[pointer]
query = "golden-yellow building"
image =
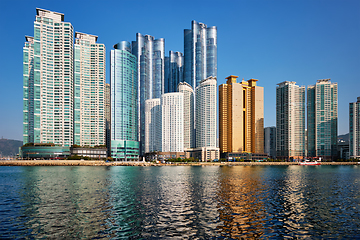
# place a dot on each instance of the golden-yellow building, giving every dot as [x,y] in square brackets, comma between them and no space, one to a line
[241,116]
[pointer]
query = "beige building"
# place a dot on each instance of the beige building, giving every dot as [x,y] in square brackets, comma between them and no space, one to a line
[241,116]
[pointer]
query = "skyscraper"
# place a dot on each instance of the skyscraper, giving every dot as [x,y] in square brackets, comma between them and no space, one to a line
[48,81]
[322,119]
[107,116]
[270,141]
[89,81]
[153,132]
[354,129]
[188,92]
[124,103]
[172,124]
[200,53]
[174,73]
[290,121]
[241,116]
[150,66]
[206,113]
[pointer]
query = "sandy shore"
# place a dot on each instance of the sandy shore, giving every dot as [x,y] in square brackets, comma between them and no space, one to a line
[102,163]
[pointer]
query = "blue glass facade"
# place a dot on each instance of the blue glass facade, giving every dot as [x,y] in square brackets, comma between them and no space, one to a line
[150,66]
[173,71]
[200,53]
[124,103]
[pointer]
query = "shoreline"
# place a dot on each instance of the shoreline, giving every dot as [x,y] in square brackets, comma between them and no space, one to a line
[145,164]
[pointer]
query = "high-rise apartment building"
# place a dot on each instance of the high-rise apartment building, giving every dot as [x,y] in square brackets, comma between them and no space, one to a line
[241,116]
[89,95]
[270,141]
[322,119]
[174,71]
[150,66]
[172,124]
[200,53]
[188,92]
[48,81]
[124,103]
[107,116]
[354,129]
[206,123]
[290,121]
[153,132]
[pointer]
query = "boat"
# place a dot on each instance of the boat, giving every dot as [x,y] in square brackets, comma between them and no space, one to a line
[309,163]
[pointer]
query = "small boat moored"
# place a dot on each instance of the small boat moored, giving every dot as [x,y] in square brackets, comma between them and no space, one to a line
[308,162]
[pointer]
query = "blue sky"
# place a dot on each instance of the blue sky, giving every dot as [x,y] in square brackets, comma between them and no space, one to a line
[270,40]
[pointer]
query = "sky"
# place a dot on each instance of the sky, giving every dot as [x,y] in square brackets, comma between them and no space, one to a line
[269,40]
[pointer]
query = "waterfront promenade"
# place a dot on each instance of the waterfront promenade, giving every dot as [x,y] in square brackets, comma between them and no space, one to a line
[103,163]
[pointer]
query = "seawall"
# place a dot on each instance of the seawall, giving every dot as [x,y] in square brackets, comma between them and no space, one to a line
[102,163]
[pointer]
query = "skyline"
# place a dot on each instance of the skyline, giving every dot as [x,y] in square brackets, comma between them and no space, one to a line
[271,47]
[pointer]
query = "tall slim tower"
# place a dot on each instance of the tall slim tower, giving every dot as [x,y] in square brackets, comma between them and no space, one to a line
[322,119]
[187,90]
[241,116]
[354,129]
[200,53]
[270,141]
[206,113]
[150,66]
[153,122]
[124,103]
[48,81]
[290,121]
[172,124]
[174,73]
[89,96]
[107,116]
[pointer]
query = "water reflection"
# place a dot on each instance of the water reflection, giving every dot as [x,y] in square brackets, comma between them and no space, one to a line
[180,202]
[240,203]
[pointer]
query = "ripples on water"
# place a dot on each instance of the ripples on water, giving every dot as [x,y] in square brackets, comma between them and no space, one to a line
[180,202]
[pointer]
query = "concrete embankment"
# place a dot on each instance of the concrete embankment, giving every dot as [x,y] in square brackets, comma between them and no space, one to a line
[102,163]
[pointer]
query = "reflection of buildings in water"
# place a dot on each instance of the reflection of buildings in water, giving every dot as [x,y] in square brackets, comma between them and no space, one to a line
[179,200]
[241,203]
[293,197]
[65,202]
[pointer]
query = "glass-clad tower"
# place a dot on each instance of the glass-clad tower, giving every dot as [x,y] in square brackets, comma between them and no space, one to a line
[200,53]
[89,83]
[290,121]
[354,129]
[150,67]
[48,81]
[124,103]
[173,71]
[322,119]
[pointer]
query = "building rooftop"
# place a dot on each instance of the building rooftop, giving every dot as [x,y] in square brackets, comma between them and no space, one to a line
[44,12]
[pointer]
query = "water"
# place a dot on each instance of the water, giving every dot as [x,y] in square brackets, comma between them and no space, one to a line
[180,202]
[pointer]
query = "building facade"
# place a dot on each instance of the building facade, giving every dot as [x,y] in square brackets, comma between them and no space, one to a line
[187,90]
[107,116]
[270,142]
[322,119]
[150,54]
[206,120]
[153,125]
[124,103]
[89,91]
[174,71]
[200,53]
[290,121]
[48,81]
[354,129]
[172,124]
[241,116]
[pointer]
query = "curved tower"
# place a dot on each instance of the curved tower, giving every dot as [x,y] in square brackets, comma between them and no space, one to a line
[124,103]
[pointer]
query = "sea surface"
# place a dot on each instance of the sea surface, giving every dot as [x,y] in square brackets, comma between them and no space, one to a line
[180,202]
